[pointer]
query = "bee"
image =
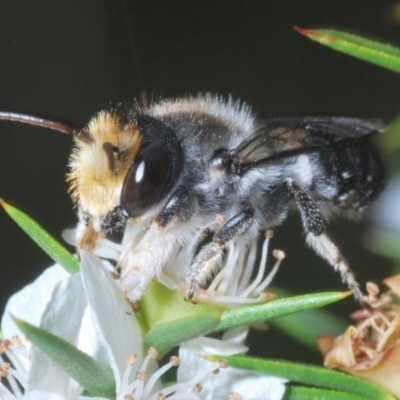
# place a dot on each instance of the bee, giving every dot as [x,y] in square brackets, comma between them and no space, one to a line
[175,167]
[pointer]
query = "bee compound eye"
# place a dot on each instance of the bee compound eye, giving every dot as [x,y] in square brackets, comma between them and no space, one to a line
[146,180]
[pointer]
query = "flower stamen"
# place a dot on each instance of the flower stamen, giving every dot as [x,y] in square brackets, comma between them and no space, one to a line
[131,360]
[186,387]
[173,362]
[14,371]
[279,255]
[261,269]
[370,349]
[142,388]
[198,387]
[235,396]
[141,375]
[5,370]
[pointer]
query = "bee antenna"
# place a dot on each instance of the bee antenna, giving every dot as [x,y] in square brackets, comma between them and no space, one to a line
[80,134]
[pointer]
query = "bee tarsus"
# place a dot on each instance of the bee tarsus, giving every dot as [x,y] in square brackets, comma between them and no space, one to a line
[208,262]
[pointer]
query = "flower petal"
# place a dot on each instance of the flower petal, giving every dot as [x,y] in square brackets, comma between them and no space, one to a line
[190,351]
[62,317]
[40,395]
[393,282]
[30,302]
[5,394]
[342,354]
[236,335]
[118,330]
[384,373]
[249,385]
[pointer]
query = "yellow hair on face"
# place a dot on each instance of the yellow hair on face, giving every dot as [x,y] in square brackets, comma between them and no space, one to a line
[99,166]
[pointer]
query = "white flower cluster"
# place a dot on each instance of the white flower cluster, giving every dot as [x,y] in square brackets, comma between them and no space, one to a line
[88,311]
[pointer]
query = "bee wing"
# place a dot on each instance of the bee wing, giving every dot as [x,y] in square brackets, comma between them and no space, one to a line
[283,137]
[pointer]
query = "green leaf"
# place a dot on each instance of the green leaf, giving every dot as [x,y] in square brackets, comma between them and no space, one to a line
[160,305]
[308,393]
[170,334]
[277,308]
[50,245]
[305,327]
[375,52]
[306,374]
[93,376]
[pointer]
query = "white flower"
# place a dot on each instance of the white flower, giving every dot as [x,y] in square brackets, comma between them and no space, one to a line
[231,380]
[88,310]
[85,309]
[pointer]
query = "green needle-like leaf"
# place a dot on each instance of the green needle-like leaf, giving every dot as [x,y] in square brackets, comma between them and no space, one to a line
[94,377]
[170,334]
[309,375]
[277,308]
[381,54]
[50,245]
[308,393]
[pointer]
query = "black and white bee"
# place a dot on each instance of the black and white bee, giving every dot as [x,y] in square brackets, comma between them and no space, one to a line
[176,167]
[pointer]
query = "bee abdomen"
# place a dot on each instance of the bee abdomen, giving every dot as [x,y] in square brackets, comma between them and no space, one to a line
[357,171]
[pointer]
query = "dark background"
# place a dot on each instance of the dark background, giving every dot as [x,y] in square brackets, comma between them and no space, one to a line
[67,60]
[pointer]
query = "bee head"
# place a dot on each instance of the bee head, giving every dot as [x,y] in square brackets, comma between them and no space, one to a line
[130,163]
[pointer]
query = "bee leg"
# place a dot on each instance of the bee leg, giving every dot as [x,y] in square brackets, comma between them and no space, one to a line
[319,241]
[143,260]
[208,262]
[180,205]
